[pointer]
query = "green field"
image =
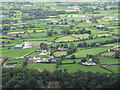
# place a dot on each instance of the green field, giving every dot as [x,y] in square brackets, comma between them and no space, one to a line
[93,51]
[59,53]
[34,54]
[114,68]
[16,61]
[16,52]
[110,54]
[81,36]
[66,39]
[109,61]
[75,67]
[41,67]
[71,60]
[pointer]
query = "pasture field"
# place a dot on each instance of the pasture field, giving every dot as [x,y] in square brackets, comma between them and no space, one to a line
[92,51]
[41,67]
[34,54]
[71,60]
[99,40]
[114,68]
[81,36]
[109,61]
[110,54]
[110,45]
[66,39]
[16,52]
[59,53]
[38,42]
[20,61]
[75,67]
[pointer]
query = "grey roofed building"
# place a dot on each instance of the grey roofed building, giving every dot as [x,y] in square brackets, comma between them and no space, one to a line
[18,46]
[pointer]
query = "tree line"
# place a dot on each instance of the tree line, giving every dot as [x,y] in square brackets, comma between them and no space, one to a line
[31,78]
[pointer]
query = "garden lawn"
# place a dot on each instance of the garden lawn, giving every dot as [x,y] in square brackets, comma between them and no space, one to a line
[41,67]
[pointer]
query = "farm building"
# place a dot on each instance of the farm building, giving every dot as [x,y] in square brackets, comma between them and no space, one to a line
[18,46]
[88,21]
[62,49]
[27,45]
[100,26]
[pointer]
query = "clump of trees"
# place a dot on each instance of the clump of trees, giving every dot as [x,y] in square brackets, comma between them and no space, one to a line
[31,78]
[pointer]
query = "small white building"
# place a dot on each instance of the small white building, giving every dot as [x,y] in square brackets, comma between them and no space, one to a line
[100,26]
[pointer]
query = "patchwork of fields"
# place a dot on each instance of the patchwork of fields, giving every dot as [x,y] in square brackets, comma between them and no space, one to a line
[66,33]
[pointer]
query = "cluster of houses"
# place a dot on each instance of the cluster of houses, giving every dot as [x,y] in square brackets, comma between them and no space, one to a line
[61,21]
[116,48]
[38,59]
[89,62]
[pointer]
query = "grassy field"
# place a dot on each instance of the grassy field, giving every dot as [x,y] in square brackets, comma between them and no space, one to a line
[114,68]
[34,54]
[16,52]
[41,67]
[81,36]
[65,39]
[98,40]
[108,61]
[93,51]
[110,45]
[108,54]
[71,60]
[16,61]
[59,53]
[75,67]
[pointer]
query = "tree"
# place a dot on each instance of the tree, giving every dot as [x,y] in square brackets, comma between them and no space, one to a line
[83,60]
[34,31]
[43,46]
[117,54]
[73,57]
